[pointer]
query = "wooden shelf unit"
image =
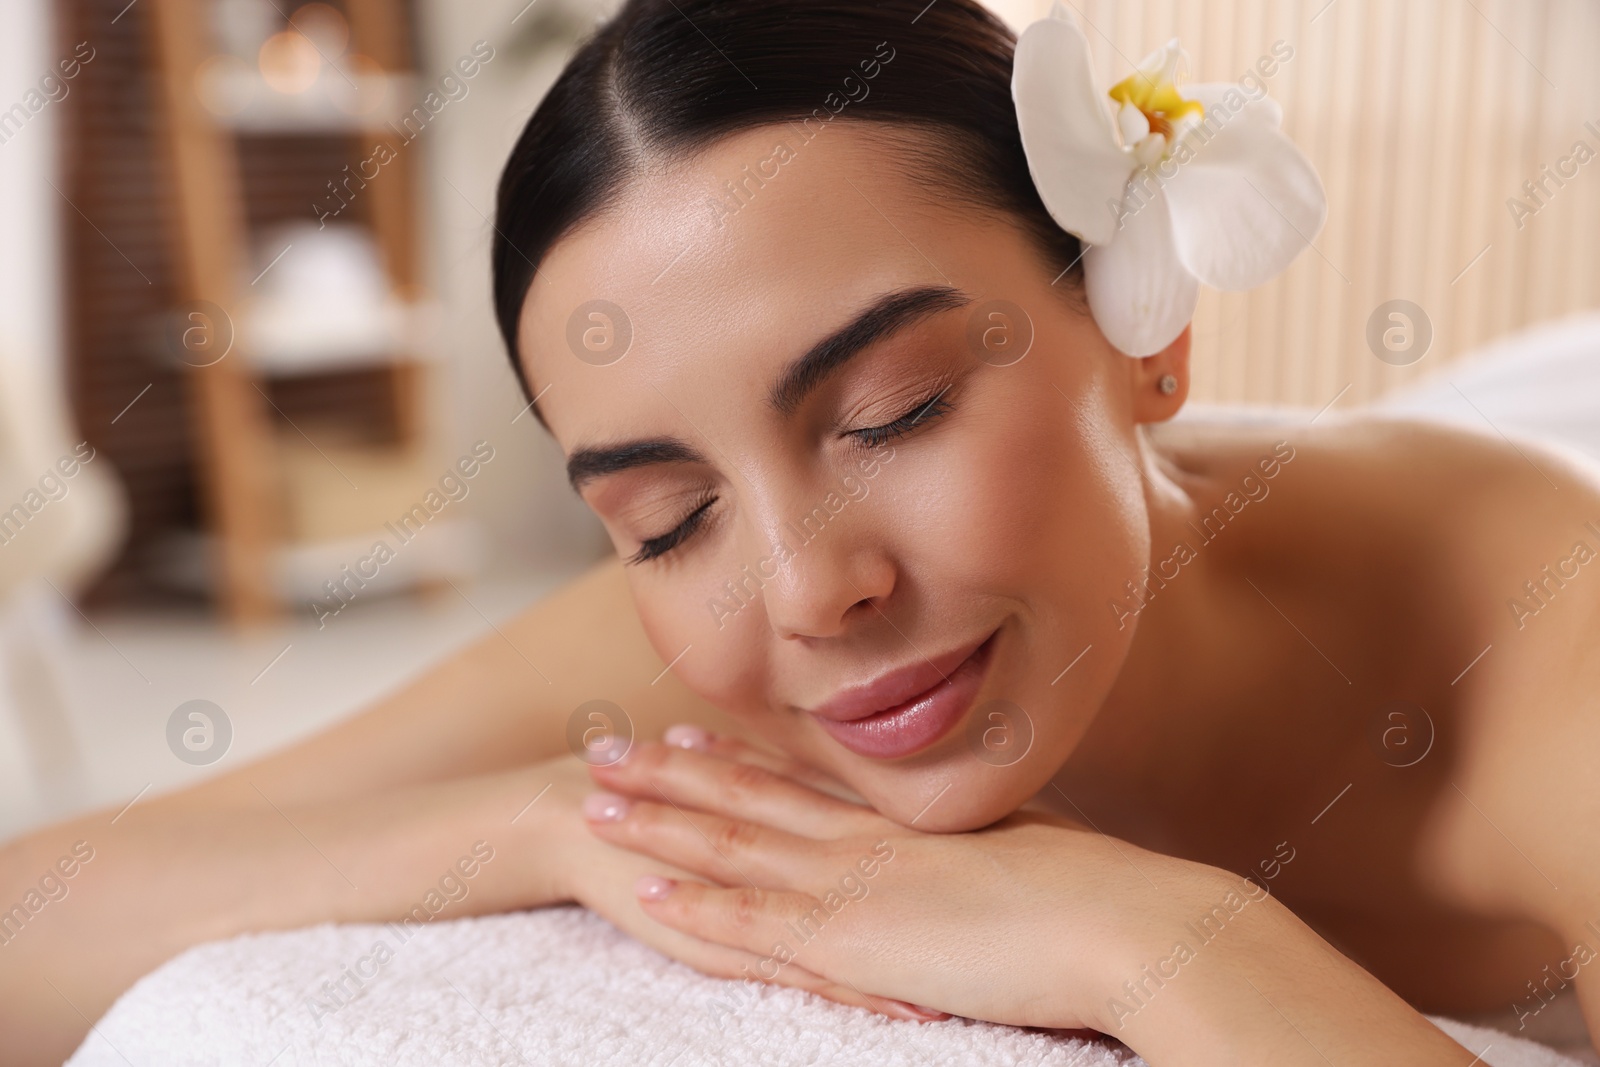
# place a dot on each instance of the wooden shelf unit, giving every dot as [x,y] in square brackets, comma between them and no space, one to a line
[240,468]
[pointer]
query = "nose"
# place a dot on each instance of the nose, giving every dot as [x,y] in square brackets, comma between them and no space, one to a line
[837,575]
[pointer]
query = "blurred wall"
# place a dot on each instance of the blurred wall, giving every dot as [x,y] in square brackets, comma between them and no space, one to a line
[1425,118]
[29,219]
[534,518]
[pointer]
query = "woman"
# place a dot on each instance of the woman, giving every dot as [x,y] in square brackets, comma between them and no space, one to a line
[1221,738]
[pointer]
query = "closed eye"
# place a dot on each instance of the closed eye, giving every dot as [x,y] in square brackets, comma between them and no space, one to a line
[924,412]
[652,547]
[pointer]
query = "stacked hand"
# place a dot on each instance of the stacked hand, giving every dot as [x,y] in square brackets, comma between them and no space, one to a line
[762,869]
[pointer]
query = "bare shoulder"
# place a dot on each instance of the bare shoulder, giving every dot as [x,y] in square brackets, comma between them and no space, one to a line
[1502,553]
[1464,498]
[1371,444]
[1502,529]
[1477,557]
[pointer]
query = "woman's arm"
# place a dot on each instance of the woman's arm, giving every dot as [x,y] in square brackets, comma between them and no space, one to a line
[354,823]
[93,904]
[503,701]
[1034,921]
[1266,989]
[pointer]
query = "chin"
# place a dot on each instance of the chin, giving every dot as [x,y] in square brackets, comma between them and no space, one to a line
[954,796]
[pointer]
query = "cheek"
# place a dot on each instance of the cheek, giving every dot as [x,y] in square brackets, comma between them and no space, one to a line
[726,659]
[1021,502]
[1021,510]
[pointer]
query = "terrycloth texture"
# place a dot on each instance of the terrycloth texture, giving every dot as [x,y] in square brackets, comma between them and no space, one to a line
[555,986]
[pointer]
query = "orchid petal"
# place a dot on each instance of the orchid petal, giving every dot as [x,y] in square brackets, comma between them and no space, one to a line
[1073,156]
[1243,206]
[1151,150]
[1226,103]
[1139,292]
[1132,124]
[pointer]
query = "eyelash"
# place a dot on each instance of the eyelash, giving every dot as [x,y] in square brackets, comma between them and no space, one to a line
[925,411]
[871,437]
[653,547]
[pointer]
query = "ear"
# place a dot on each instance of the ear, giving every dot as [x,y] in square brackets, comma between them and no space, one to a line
[1150,404]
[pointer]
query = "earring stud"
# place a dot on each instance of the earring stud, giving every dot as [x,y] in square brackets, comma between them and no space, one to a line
[1168,384]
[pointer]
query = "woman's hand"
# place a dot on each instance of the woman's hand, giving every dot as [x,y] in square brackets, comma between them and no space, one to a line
[601,876]
[1025,922]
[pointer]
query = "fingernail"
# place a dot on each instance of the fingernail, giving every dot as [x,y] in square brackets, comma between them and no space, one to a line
[915,1012]
[652,887]
[604,807]
[686,735]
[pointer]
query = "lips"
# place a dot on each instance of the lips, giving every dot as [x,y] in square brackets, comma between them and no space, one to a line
[909,709]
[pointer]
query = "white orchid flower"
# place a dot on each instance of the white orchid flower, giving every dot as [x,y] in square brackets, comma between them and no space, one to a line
[1167,189]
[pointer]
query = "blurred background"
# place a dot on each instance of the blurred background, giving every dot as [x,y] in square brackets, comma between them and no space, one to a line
[246,335]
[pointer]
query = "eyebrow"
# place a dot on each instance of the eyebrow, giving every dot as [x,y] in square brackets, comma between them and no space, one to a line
[587,464]
[885,316]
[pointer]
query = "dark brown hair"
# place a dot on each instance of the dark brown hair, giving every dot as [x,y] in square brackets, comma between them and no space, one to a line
[664,78]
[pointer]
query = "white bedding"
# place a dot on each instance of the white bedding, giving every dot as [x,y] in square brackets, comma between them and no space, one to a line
[554,986]
[1543,382]
[561,986]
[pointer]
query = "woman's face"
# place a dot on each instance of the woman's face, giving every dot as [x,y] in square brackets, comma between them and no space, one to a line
[879,542]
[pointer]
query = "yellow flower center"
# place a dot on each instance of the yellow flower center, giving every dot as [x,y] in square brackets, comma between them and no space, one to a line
[1154,91]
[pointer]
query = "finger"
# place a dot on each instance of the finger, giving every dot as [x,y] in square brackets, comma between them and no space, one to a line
[720,961]
[733,789]
[734,748]
[794,976]
[753,920]
[726,851]
[777,924]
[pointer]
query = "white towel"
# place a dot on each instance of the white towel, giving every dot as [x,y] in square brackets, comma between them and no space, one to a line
[553,986]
